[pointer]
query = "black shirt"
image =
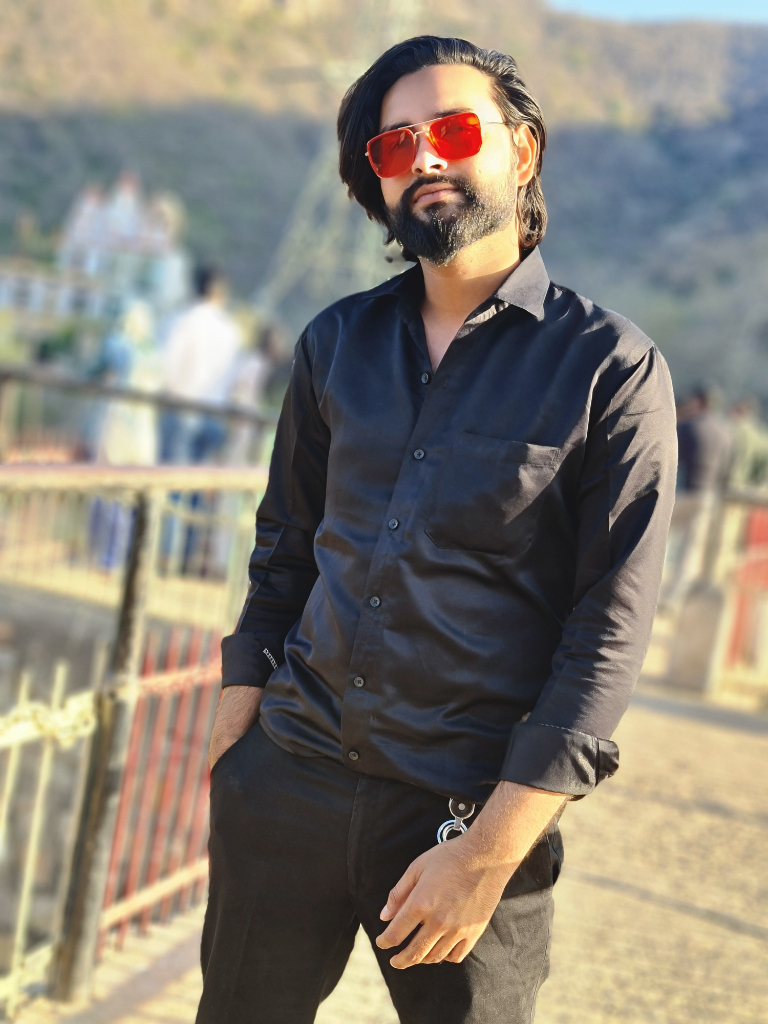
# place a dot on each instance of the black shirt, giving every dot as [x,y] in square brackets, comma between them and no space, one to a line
[456,571]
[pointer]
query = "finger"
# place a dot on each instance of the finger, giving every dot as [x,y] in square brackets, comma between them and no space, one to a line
[417,949]
[400,894]
[407,919]
[462,949]
[441,949]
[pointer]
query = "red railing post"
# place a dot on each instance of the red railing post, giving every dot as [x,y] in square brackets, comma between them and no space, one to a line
[170,776]
[170,786]
[198,805]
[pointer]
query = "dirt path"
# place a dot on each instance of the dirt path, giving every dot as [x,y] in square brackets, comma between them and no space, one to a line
[662,908]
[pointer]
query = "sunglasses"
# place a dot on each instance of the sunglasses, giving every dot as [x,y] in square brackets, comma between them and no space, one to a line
[454,137]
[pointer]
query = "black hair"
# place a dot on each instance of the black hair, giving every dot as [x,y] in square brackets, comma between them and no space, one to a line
[205,279]
[361,109]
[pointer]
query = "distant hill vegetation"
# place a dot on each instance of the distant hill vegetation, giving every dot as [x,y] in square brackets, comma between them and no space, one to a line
[656,177]
[263,53]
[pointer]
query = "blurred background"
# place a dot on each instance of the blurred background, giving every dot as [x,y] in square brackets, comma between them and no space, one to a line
[170,219]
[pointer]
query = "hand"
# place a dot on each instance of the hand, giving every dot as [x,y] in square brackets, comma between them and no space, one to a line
[450,892]
[237,711]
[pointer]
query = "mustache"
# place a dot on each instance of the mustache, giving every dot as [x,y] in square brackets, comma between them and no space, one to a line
[462,184]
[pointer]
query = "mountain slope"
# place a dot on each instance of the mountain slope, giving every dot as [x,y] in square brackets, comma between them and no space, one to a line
[112,53]
[655,178]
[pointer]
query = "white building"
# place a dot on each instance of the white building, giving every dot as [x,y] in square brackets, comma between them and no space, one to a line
[113,247]
[127,243]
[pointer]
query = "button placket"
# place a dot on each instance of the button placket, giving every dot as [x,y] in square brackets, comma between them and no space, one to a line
[355,718]
[437,402]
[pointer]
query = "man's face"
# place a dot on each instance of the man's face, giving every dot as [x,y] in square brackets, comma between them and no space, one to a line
[438,206]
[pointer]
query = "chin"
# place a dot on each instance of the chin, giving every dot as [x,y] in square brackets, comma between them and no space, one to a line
[444,207]
[438,204]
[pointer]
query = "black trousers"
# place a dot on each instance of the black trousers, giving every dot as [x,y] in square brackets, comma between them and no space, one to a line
[303,851]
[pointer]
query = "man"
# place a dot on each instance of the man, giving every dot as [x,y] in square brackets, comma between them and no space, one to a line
[199,364]
[455,573]
[705,446]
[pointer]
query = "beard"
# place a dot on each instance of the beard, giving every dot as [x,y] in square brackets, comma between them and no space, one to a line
[439,232]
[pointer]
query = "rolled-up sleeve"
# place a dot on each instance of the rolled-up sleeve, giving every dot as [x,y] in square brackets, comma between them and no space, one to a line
[282,568]
[625,504]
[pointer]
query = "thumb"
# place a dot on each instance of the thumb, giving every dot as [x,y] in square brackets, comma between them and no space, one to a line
[401,892]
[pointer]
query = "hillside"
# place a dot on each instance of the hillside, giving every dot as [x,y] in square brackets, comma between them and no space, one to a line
[656,176]
[263,53]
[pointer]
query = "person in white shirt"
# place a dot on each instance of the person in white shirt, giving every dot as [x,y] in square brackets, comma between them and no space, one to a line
[199,363]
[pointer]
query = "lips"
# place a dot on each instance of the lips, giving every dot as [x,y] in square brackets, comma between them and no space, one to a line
[434,192]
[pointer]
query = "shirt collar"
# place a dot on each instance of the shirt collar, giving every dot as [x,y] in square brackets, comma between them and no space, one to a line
[526,287]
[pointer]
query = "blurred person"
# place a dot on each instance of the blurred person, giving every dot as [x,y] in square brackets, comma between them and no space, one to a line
[705,444]
[457,562]
[199,362]
[130,358]
[705,453]
[251,378]
[749,466]
[247,444]
[127,435]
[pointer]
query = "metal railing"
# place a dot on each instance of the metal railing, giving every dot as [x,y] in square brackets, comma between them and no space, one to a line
[53,728]
[104,785]
[710,633]
[163,552]
[739,664]
[47,418]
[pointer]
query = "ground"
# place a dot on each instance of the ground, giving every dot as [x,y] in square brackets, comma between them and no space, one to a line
[661,910]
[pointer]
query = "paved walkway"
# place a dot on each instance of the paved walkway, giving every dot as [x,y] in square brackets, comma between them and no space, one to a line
[662,909]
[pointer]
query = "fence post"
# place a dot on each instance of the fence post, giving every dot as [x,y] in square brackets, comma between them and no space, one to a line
[6,415]
[74,960]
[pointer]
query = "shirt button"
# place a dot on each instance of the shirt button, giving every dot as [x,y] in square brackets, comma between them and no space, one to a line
[425,378]
[374,602]
[418,454]
[393,524]
[353,755]
[358,681]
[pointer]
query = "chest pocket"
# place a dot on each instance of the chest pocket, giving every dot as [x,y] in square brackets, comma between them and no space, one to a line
[486,494]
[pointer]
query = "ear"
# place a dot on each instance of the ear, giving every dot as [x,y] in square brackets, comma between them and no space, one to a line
[527,153]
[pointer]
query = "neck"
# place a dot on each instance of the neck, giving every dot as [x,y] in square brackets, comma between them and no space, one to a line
[472,276]
[453,291]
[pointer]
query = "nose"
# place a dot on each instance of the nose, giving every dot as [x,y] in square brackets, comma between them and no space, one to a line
[426,160]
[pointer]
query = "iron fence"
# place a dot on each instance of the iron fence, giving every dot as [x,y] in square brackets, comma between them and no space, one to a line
[36,737]
[104,785]
[46,417]
[164,553]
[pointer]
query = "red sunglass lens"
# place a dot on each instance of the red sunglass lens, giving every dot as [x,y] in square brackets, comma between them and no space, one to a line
[457,136]
[391,153]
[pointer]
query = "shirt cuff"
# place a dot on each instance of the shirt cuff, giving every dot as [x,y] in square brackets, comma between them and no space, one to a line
[245,661]
[558,760]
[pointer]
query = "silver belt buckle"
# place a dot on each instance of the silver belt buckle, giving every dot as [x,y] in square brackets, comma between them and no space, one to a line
[460,809]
